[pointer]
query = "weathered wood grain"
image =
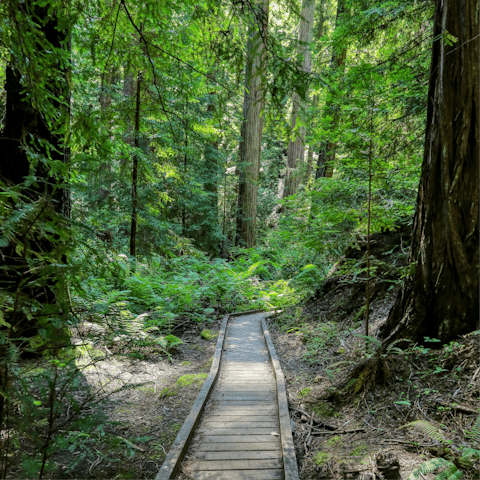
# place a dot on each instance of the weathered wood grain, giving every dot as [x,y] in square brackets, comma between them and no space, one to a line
[237,439]
[238,455]
[240,424]
[238,464]
[236,431]
[237,446]
[276,474]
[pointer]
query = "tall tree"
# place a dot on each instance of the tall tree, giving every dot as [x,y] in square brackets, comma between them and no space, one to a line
[296,147]
[337,65]
[133,223]
[34,152]
[252,126]
[440,299]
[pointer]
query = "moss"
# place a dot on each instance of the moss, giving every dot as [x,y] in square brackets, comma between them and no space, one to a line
[321,458]
[304,392]
[191,378]
[188,380]
[335,441]
[323,409]
[167,392]
[361,449]
[208,334]
[186,363]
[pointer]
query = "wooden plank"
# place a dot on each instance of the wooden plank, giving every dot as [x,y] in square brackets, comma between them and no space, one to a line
[244,395]
[236,446]
[212,438]
[215,417]
[207,424]
[270,474]
[289,459]
[238,464]
[238,455]
[236,402]
[253,390]
[244,411]
[236,431]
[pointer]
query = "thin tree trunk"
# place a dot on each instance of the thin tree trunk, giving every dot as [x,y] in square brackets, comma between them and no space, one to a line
[309,163]
[296,147]
[133,227]
[252,127]
[321,162]
[441,297]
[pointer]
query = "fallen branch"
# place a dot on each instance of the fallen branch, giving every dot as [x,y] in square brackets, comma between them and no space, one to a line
[460,408]
[309,432]
[317,421]
[335,432]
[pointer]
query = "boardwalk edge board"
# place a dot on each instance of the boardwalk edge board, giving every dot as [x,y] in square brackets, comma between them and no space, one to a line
[173,460]
[288,448]
[179,447]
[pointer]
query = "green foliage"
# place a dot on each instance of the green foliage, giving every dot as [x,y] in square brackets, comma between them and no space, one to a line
[459,455]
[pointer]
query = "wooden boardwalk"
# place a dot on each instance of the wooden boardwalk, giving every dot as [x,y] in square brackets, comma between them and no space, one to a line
[239,435]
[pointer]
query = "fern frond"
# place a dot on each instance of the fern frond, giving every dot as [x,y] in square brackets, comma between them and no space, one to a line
[474,434]
[398,340]
[429,467]
[427,429]
[457,475]
[450,473]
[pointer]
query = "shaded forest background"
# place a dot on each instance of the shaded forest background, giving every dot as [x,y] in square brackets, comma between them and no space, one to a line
[167,162]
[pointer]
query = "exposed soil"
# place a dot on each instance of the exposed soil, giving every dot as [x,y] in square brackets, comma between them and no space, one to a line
[359,436]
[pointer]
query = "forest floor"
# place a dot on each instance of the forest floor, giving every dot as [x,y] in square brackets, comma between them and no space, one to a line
[128,435]
[360,436]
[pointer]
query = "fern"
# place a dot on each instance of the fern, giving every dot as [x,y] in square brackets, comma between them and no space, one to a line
[428,429]
[474,434]
[395,349]
[450,473]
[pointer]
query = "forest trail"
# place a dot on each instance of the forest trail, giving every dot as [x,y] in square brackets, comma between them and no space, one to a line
[238,436]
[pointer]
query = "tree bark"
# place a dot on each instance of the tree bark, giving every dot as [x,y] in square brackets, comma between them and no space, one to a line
[296,147]
[252,127]
[440,299]
[26,127]
[337,64]
[133,226]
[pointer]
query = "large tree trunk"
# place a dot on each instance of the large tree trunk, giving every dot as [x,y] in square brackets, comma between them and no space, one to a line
[337,64]
[33,140]
[441,297]
[27,128]
[133,223]
[250,144]
[296,147]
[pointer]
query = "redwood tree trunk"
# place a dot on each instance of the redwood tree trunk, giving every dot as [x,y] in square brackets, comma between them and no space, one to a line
[296,147]
[133,225]
[252,127]
[337,64]
[441,297]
